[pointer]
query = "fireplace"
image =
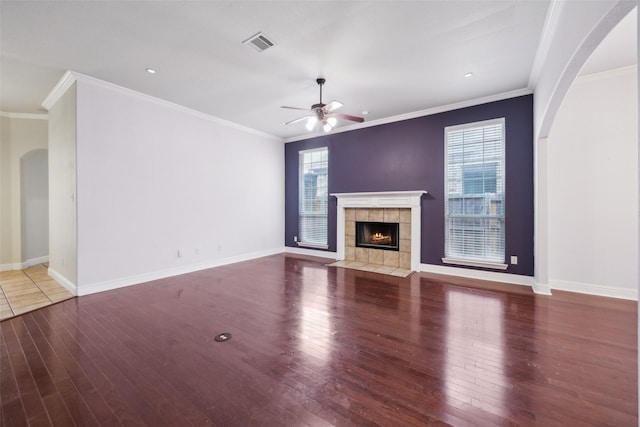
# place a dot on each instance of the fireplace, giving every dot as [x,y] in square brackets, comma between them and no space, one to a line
[378,235]
[399,207]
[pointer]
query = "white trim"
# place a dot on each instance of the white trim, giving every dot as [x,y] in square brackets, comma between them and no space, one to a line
[25,264]
[591,289]
[312,245]
[382,199]
[481,264]
[108,285]
[545,41]
[607,74]
[514,279]
[428,112]
[35,261]
[28,116]
[310,252]
[66,283]
[11,266]
[541,216]
[65,82]
[541,288]
[72,76]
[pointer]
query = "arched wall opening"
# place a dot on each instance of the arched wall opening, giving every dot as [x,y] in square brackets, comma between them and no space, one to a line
[593,176]
[34,207]
[577,33]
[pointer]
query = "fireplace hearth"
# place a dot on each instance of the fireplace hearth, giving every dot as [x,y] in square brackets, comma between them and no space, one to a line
[377,235]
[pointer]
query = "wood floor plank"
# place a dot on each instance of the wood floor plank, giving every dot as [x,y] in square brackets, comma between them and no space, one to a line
[316,345]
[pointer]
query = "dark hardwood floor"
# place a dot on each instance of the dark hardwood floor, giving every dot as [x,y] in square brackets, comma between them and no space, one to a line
[316,345]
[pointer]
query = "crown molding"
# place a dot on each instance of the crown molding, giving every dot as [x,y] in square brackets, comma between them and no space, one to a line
[428,112]
[29,116]
[71,76]
[59,89]
[546,38]
[607,74]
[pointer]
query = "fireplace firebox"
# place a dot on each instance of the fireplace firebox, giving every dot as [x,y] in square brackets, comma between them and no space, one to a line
[377,235]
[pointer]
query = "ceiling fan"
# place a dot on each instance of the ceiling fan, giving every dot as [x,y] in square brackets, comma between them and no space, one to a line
[323,116]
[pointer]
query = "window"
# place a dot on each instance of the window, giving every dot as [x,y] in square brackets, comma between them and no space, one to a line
[313,197]
[474,194]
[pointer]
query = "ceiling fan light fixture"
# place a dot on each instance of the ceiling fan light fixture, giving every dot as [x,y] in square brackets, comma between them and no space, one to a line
[311,123]
[328,123]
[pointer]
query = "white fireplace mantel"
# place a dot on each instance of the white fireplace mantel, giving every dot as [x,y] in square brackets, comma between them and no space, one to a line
[385,199]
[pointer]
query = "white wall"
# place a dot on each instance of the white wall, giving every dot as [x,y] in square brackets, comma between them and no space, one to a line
[18,136]
[593,186]
[154,179]
[62,190]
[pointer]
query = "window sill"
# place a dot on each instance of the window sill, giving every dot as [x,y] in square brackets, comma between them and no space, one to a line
[312,245]
[471,263]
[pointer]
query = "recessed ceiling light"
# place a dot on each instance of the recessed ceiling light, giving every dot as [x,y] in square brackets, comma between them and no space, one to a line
[151,71]
[468,74]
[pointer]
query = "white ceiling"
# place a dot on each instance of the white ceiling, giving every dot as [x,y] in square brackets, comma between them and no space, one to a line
[387,57]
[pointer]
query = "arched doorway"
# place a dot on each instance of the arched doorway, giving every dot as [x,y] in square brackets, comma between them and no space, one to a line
[593,173]
[34,206]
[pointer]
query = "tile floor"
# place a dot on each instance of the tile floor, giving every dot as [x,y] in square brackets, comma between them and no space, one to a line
[376,268]
[25,290]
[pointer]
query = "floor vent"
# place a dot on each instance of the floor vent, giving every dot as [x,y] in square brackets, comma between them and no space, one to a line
[259,42]
[223,337]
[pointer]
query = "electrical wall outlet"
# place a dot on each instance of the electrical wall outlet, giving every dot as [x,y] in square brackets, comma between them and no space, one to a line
[295,238]
[514,260]
[179,253]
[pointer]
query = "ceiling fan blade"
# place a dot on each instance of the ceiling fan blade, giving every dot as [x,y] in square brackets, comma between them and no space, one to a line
[298,120]
[349,117]
[333,105]
[294,108]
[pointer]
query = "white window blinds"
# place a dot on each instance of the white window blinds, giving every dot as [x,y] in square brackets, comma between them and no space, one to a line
[474,192]
[313,197]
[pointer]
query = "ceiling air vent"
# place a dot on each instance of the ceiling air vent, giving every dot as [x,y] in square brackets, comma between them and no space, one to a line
[259,42]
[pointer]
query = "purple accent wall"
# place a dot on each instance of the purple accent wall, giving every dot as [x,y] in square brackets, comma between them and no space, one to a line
[409,155]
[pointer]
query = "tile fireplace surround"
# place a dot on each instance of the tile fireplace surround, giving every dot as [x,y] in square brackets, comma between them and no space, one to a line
[396,206]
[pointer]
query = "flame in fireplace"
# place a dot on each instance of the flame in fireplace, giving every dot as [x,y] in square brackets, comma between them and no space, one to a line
[380,238]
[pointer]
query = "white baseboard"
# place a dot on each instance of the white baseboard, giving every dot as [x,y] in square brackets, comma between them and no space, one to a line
[592,289]
[541,288]
[513,279]
[25,264]
[122,282]
[11,266]
[66,283]
[310,252]
[35,261]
